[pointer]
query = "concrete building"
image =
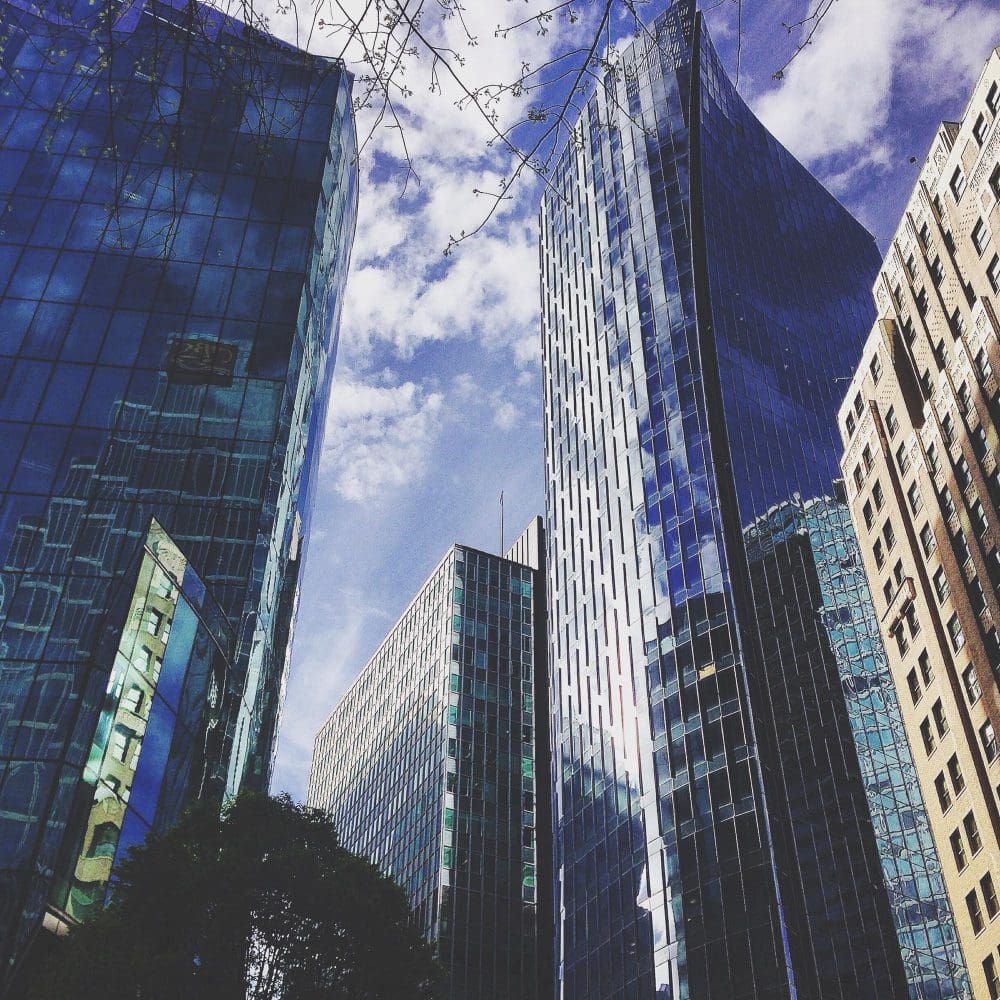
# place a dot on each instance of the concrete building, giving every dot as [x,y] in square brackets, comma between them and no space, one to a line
[920,430]
[435,765]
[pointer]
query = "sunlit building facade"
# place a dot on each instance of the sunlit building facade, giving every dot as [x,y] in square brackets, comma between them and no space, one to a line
[179,194]
[702,295]
[920,425]
[435,765]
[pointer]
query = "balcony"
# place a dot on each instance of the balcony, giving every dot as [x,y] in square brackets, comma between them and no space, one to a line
[901,600]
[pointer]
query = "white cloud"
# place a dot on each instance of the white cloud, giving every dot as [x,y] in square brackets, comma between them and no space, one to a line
[330,658]
[836,96]
[379,436]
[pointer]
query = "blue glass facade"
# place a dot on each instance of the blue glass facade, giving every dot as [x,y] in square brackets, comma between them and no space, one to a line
[179,195]
[807,560]
[431,765]
[703,296]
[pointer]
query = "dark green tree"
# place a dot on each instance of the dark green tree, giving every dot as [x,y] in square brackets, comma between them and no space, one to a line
[262,903]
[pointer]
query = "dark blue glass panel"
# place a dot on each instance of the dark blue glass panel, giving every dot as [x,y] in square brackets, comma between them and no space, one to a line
[128,390]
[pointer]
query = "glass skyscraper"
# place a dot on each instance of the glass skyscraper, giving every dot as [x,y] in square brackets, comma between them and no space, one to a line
[703,297]
[435,765]
[179,194]
[804,556]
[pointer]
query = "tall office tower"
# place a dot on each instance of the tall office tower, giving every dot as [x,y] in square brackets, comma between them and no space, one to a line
[702,295]
[435,765]
[920,429]
[179,195]
[806,563]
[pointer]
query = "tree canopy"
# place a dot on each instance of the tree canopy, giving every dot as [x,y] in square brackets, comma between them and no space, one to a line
[261,903]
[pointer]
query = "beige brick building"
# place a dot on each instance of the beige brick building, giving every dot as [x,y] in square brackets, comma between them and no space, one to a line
[920,428]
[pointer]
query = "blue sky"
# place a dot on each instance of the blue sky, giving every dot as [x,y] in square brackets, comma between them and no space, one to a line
[436,402]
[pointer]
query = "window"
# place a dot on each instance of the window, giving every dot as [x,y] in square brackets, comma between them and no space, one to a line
[977,514]
[869,515]
[889,534]
[961,547]
[859,404]
[971,683]
[962,473]
[909,334]
[989,740]
[972,834]
[983,367]
[888,590]
[992,643]
[866,457]
[877,495]
[927,735]
[911,266]
[979,130]
[955,773]
[915,500]
[980,236]
[937,271]
[993,273]
[902,642]
[154,619]
[927,542]
[891,422]
[958,850]
[940,722]
[975,913]
[993,99]
[948,428]
[104,841]
[955,322]
[912,621]
[926,670]
[956,633]
[921,301]
[933,462]
[979,443]
[938,206]
[876,368]
[858,477]
[957,184]
[941,587]
[913,683]
[995,182]
[878,553]
[118,744]
[132,699]
[944,796]
[965,397]
[992,979]
[989,895]
[850,424]
[976,596]
[941,353]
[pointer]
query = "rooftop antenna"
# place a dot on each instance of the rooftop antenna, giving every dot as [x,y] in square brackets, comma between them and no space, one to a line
[501,522]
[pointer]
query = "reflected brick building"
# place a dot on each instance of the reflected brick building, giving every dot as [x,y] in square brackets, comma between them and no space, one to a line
[702,300]
[179,194]
[921,433]
[435,765]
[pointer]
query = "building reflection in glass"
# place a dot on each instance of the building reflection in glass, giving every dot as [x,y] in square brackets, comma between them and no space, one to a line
[175,237]
[702,297]
[148,756]
[827,667]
